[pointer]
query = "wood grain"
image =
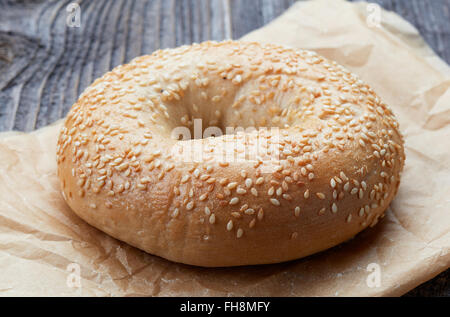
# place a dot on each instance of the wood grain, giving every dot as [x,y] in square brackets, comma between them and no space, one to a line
[45,65]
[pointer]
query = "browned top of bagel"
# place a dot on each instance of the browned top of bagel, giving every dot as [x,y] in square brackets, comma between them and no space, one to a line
[329,171]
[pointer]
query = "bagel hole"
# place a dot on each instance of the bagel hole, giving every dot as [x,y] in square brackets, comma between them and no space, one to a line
[197,129]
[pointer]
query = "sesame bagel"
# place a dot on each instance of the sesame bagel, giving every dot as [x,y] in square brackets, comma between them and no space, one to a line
[316,159]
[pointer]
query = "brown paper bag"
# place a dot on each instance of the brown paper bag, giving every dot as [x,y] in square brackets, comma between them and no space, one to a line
[44,247]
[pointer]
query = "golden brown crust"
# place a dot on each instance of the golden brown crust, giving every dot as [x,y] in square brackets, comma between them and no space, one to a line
[331,171]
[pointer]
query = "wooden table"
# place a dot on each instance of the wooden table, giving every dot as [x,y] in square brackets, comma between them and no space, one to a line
[45,65]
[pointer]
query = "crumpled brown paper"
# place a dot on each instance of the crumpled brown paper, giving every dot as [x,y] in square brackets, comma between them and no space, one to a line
[41,237]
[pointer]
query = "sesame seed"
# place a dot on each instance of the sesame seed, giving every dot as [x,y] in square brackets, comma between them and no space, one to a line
[207,211]
[196,172]
[230,225]
[297,211]
[254,192]
[232,185]
[275,202]
[335,194]
[237,79]
[260,214]
[334,208]
[249,211]
[259,181]
[248,183]
[122,166]
[243,207]
[320,195]
[239,233]
[303,171]
[361,212]
[332,183]
[236,214]
[347,186]
[175,213]
[306,194]
[364,185]
[190,205]
[241,191]
[234,201]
